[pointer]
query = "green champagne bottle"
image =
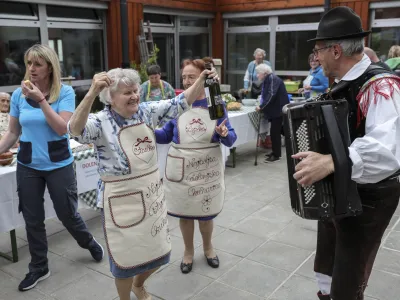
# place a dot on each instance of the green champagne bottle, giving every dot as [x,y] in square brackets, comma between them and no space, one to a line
[214,98]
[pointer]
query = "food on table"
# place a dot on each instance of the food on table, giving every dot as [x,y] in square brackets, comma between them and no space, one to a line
[233,106]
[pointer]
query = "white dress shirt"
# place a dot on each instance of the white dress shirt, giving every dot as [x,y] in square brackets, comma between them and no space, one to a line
[376,155]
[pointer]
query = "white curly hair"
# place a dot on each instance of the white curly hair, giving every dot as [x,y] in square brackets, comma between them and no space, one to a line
[128,77]
[263,69]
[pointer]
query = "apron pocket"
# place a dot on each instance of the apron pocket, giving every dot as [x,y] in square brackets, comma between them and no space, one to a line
[25,152]
[58,150]
[174,168]
[127,210]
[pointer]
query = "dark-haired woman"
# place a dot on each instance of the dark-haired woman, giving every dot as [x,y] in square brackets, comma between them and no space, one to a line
[155,89]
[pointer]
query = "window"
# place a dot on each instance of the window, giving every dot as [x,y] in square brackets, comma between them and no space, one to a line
[292,50]
[193,46]
[240,50]
[80,51]
[71,12]
[191,21]
[300,18]
[387,13]
[384,38]
[14,41]
[253,21]
[158,19]
[20,9]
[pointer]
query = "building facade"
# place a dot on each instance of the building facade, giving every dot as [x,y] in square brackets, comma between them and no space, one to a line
[87,34]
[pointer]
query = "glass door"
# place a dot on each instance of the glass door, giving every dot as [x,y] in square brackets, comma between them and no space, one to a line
[166,58]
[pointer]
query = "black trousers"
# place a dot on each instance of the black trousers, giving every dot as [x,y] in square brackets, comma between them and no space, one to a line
[346,248]
[61,184]
[276,129]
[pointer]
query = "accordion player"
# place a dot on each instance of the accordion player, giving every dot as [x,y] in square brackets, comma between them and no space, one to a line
[320,125]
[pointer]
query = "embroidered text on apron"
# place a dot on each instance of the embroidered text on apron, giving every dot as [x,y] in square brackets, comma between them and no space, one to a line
[194,172]
[135,214]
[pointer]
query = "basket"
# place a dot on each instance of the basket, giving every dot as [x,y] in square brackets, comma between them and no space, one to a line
[292,86]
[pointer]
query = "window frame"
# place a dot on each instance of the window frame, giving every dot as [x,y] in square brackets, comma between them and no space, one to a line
[44,23]
[272,28]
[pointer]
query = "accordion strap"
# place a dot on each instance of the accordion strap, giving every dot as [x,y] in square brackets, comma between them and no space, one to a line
[340,156]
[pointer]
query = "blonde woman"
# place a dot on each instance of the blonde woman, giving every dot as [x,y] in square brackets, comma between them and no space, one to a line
[40,111]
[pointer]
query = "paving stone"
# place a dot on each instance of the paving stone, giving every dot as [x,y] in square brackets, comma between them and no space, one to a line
[90,286]
[280,256]
[254,278]
[171,284]
[298,237]
[237,243]
[259,227]
[296,288]
[393,240]
[220,291]
[388,261]
[383,286]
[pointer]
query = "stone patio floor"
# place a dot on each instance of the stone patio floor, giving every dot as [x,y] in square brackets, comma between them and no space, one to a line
[266,251]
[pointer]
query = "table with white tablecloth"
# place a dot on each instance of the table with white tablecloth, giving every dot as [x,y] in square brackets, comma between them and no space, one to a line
[10,218]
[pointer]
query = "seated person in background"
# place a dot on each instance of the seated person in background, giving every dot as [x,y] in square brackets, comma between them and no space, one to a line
[316,82]
[4,110]
[394,59]
[155,89]
[273,97]
[375,59]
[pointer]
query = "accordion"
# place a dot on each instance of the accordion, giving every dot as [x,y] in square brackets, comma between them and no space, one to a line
[322,127]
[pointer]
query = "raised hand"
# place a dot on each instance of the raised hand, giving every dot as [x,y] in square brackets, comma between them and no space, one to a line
[31,91]
[211,74]
[221,129]
[100,81]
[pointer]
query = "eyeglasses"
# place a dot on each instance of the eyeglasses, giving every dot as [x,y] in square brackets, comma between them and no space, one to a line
[316,51]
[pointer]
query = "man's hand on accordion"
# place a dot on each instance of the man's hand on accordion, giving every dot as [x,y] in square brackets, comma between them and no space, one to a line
[312,167]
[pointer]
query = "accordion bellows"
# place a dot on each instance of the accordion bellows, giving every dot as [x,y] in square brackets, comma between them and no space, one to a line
[321,126]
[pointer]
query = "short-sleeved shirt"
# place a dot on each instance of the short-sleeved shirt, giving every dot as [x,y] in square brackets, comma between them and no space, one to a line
[41,148]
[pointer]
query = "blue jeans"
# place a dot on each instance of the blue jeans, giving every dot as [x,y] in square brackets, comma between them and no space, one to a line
[61,184]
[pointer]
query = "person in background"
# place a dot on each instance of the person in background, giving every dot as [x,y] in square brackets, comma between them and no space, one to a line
[251,84]
[196,139]
[40,111]
[316,82]
[130,191]
[374,58]
[394,59]
[155,89]
[4,110]
[273,97]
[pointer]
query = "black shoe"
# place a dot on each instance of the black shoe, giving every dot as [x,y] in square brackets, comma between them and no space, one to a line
[323,297]
[186,268]
[96,250]
[32,278]
[213,262]
[268,155]
[272,158]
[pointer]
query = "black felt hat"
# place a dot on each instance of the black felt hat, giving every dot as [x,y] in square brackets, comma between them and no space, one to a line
[339,23]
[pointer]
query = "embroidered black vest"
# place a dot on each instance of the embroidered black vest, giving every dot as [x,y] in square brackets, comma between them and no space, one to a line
[349,90]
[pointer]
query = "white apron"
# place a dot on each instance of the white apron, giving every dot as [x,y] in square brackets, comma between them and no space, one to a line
[135,214]
[194,172]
